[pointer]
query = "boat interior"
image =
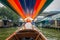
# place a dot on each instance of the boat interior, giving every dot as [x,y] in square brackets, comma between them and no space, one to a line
[26,35]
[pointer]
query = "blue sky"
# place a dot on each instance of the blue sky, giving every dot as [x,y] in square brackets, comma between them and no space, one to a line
[54,6]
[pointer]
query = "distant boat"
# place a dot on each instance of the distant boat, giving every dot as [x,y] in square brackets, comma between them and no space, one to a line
[27,34]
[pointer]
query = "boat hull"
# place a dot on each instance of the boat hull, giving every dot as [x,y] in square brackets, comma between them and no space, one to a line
[27,34]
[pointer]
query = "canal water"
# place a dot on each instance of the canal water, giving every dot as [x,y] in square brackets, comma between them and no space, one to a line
[51,34]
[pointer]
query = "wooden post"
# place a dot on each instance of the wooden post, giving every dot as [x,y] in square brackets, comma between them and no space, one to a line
[55,23]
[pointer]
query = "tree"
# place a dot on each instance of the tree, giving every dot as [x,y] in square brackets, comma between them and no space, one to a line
[6,12]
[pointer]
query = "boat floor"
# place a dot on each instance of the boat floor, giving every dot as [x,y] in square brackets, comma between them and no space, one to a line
[27,34]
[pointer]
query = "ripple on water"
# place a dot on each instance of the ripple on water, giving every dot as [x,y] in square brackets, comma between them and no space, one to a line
[51,38]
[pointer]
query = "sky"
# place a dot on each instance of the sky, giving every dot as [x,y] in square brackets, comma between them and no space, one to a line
[54,6]
[1,5]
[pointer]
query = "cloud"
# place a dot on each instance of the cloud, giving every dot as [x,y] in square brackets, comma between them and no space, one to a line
[54,6]
[1,5]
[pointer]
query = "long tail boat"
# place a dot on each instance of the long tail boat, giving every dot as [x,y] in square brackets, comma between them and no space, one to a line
[27,9]
[23,33]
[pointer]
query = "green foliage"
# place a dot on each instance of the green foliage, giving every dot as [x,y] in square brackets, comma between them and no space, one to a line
[6,12]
